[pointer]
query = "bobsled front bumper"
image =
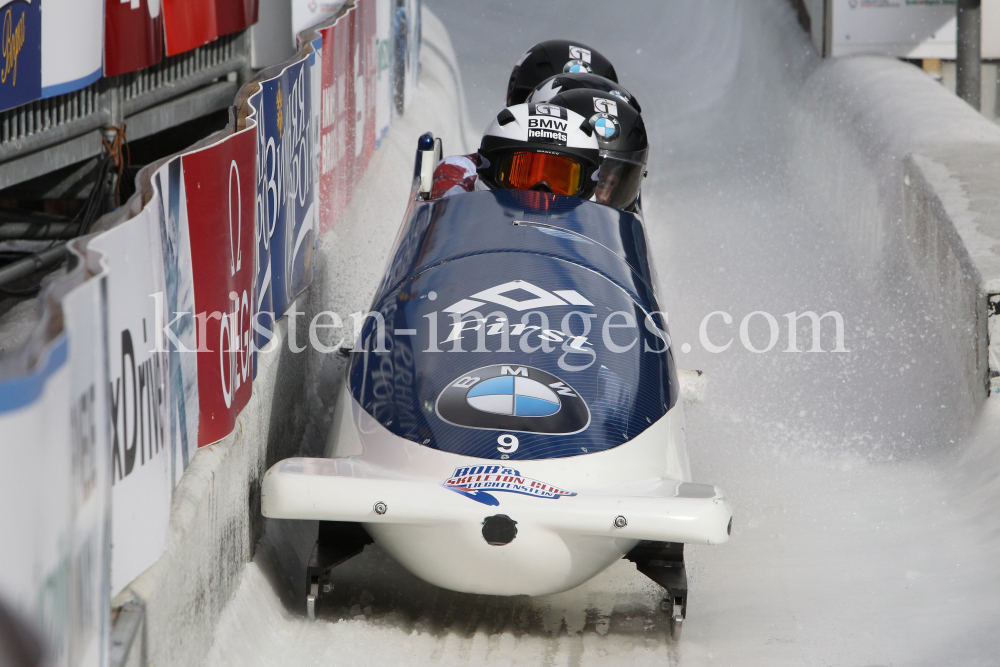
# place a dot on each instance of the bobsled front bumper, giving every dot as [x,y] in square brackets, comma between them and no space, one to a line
[345,490]
[438,534]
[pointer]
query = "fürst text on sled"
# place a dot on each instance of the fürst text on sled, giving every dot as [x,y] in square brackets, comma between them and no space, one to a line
[510,422]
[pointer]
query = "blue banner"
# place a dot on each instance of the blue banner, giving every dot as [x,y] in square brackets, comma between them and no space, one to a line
[21,65]
[286,187]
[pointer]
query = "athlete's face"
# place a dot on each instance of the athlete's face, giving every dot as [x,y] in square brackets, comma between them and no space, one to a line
[606,188]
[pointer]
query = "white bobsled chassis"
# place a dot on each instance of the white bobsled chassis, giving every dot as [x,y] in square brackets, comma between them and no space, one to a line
[508,467]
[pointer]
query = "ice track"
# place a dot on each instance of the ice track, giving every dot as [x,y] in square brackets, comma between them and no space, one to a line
[864,531]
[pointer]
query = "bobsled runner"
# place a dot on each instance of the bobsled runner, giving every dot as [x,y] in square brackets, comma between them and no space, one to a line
[510,420]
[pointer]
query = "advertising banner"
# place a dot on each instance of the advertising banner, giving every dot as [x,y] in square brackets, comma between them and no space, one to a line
[900,29]
[337,124]
[72,45]
[267,198]
[347,135]
[385,57]
[88,602]
[187,24]
[21,66]
[307,13]
[36,489]
[286,185]
[133,35]
[177,333]
[408,49]
[365,81]
[235,15]
[219,190]
[140,463]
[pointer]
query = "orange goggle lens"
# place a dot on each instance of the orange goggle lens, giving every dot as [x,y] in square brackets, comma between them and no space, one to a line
[523,171]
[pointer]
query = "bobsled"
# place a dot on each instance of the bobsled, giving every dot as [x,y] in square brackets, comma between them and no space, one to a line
[509,421]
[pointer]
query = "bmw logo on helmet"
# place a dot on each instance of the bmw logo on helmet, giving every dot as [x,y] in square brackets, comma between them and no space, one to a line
[577,66]
[513,398]
[606,126]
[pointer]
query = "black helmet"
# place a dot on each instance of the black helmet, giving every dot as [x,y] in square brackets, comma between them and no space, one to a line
[621,136]
[540,147]
[554,57]
[561,83]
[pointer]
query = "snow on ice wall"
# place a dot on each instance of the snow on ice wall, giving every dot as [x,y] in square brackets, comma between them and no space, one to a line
[911,167]
[905,168]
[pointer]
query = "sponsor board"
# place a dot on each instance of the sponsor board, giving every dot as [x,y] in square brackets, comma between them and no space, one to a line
[384,66]
[140,465]
[133,35]
[21,65]
[188,25]
[54,486]
[219,191]
[87,615]
[347,134]
[234,15]
[285,229]
[176,327]
[307,13]
[72,45]
[480,482]
[36,490]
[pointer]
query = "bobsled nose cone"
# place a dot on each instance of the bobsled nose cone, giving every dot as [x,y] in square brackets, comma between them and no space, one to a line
[499,530]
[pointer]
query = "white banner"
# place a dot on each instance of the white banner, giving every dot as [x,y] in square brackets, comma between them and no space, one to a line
[307,13]
[36,492]
[72,44]
[385,61]
[89,605]
[411,49]
[140,465]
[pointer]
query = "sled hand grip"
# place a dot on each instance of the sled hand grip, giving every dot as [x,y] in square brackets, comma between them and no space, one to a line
[427,157]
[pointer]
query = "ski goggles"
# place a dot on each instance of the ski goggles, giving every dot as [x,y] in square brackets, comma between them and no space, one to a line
[524,170]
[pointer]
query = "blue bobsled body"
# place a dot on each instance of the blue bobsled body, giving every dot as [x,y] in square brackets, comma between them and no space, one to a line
[589,316]
[515,371]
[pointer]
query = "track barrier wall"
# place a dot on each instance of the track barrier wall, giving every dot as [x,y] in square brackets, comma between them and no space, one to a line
[916,174]
[144,352]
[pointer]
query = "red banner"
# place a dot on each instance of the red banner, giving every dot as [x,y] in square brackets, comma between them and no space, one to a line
[133,37]
[235,15]
[219,185]
[367,70]
[337,120]
[347,132]
[188,24]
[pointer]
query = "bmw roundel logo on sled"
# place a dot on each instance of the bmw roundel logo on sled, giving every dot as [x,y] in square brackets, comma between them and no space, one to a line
[513,398]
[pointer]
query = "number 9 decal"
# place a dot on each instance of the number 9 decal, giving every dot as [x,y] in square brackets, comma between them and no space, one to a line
[508,444]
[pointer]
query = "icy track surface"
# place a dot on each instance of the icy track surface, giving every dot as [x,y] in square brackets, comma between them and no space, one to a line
[865,531]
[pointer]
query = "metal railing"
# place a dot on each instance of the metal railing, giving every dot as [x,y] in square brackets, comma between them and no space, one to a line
[36,124]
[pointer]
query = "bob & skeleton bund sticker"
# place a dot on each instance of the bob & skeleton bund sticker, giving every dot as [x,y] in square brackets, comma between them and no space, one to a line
[476,482]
